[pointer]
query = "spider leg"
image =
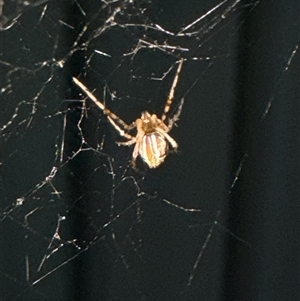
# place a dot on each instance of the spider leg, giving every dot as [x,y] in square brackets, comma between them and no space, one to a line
[176,115]
[127,143]
[102,107]
[168,137]
[172,91]
[121,132]
[136,152]
[171,140]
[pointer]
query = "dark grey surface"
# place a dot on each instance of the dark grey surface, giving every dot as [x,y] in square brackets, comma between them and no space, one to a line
[219,220]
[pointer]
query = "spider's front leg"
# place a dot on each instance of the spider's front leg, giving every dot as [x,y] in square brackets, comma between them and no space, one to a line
[176,116]
[121,132]
[172,91]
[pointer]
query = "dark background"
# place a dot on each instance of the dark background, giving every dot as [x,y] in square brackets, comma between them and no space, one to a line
[218,220]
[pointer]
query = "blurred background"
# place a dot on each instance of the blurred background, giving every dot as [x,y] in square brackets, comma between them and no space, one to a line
[218,220]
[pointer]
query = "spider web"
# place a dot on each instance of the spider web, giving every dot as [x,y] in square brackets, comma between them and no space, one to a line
[77,222]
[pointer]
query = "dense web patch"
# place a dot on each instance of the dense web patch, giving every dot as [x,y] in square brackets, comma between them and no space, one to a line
[68,191]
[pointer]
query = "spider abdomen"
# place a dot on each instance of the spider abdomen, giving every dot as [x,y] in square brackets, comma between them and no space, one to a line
[153,149]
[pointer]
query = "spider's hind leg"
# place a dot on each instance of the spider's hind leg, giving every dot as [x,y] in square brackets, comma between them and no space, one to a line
[127,143]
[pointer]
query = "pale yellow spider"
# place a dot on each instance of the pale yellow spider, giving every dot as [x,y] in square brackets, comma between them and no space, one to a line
[152,138]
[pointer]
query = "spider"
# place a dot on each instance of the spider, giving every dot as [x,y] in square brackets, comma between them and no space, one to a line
[152,139]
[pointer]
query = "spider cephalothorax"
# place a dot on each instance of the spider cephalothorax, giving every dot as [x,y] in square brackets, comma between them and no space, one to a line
[152,139]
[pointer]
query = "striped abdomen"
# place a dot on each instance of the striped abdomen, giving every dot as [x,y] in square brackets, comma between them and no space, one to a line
[153,149]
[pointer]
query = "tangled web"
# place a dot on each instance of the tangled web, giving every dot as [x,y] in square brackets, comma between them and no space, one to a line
[76,218]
